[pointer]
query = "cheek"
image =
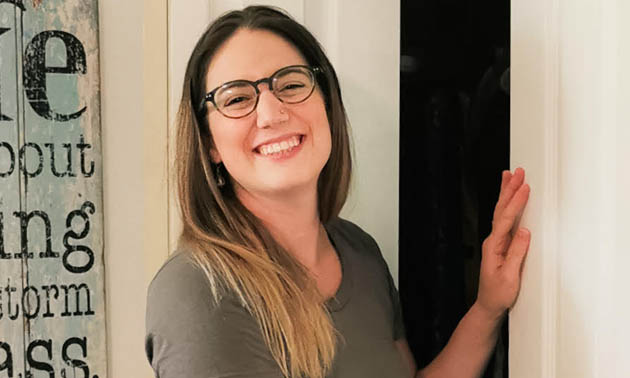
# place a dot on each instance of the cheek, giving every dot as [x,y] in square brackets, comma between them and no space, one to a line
[319,117]
[324,135]
[322,132]
[229,140]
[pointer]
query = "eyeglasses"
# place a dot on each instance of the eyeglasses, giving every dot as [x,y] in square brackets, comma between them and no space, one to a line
[239,98]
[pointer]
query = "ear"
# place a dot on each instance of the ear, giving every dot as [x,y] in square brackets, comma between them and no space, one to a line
[215,156]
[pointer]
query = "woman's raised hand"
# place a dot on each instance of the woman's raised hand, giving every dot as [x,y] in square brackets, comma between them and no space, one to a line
[504,249]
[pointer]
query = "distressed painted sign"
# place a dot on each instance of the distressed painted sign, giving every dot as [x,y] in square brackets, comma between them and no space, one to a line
[52,297]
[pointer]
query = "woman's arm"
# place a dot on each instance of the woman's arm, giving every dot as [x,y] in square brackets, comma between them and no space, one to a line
[469,348]
[466,353]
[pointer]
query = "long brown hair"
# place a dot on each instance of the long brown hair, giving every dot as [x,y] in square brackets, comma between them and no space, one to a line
[231,245]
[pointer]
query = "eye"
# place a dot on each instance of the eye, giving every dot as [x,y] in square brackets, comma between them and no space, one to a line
[292,89]
[236,96]
[236,100]
[292,86]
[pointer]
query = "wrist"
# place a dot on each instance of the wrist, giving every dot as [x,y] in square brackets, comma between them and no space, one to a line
[490,317]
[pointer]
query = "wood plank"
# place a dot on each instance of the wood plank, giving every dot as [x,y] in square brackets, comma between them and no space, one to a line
[52,201]
[11,323]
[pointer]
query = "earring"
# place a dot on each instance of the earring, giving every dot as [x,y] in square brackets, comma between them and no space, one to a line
[219,175]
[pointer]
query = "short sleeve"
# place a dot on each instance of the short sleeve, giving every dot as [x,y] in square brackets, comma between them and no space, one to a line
[189,335]
[366,242]
[399,326]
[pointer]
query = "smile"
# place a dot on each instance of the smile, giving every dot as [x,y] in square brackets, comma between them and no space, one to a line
[281,147]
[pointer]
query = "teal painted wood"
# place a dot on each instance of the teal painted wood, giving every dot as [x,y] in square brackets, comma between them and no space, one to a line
[52,293]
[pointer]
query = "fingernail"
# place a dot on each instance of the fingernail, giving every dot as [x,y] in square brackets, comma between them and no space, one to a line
[523,232]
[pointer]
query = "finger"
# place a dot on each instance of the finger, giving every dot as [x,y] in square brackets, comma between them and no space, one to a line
[505,221]
[508,190]
[505,179]
[496,248]
[517,251]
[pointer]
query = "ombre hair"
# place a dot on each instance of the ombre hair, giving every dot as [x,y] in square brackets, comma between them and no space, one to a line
[230,244]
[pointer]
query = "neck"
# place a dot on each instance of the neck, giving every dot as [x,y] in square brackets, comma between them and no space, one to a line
[293,220]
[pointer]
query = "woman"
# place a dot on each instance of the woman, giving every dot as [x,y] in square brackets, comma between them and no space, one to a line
[267,280]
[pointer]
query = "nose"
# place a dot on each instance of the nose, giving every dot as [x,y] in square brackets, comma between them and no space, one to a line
[270,111]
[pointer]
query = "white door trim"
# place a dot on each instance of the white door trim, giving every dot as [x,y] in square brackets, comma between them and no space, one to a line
[535,91]
[570,131]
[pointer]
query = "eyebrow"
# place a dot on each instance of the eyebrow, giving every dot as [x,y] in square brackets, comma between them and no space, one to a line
[211,87]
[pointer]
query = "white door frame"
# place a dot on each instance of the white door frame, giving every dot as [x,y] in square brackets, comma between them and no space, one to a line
[570,130]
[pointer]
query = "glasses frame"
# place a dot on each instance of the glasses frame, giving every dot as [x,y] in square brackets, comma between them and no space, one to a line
[209,97]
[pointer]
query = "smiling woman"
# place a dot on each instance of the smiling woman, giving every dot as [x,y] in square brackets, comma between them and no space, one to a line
[268,281]
[258,222]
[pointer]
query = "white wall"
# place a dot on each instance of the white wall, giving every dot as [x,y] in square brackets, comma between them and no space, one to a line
[366,56]
[137,100]
[570,131]
[133,83]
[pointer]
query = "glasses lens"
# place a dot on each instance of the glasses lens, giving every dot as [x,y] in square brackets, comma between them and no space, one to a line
[236,99]
[293,84]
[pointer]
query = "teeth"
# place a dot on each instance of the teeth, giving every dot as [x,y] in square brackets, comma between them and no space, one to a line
[285,145]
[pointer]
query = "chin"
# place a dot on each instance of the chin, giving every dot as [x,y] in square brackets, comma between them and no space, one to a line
[287,185]
[292,187]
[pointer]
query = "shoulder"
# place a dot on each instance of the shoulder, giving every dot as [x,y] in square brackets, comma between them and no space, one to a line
[190,334]
[359,251]
[178,267]
[182,291]
[352,234]
[178,280]
[179,293]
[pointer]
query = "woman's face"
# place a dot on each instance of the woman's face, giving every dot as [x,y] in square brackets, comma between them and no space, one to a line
[246,145]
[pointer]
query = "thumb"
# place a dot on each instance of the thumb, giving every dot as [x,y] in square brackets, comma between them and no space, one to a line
[517,251]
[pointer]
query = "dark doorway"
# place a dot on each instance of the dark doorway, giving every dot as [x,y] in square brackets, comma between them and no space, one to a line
[454,143]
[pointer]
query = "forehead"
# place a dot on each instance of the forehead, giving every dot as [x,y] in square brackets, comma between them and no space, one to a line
[251,55]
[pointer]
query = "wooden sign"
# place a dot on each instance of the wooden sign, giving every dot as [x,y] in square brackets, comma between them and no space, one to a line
[52,298]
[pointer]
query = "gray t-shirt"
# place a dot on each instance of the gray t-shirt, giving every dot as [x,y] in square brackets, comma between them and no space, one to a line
[189,336]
